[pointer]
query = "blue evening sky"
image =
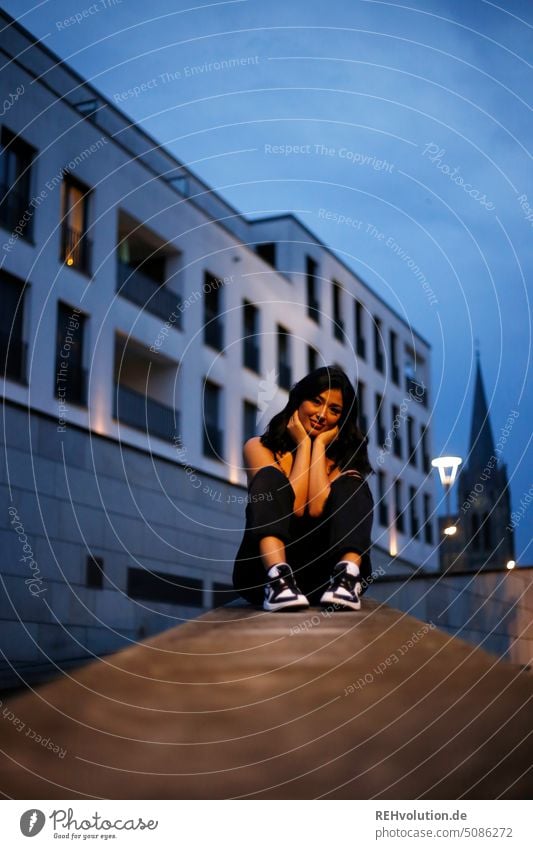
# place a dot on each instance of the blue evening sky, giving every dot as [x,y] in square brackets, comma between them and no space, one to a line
[437,92]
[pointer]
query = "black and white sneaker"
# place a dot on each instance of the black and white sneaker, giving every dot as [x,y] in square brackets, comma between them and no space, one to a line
[281,592]
[344,588]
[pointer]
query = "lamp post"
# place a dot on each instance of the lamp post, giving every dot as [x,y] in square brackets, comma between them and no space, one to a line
[447,467]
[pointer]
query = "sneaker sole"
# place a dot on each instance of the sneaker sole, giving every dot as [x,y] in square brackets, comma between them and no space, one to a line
[346,604]
[278,607]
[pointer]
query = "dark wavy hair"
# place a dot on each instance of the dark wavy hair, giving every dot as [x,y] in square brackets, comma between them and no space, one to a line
[349,449]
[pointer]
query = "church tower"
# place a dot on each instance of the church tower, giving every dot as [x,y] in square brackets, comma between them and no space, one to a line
[484,538]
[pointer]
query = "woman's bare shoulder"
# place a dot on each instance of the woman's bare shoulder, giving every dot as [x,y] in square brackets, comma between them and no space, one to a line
[256,456]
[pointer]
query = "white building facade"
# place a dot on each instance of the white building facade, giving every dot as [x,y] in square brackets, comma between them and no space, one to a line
[147,330]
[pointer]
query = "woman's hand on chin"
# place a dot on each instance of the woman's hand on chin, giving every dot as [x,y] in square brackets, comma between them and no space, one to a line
[296,428]
[324,439]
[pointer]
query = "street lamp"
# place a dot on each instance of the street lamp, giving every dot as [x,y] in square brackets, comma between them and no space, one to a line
[447,467]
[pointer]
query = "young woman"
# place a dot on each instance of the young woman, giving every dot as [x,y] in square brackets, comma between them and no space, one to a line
[309,507]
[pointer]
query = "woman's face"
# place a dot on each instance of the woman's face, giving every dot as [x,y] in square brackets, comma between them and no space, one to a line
[322,412]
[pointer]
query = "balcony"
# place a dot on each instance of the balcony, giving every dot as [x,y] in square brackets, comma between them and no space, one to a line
[140,289]
[137,410]
[76,250]
[13,206]
[13,354]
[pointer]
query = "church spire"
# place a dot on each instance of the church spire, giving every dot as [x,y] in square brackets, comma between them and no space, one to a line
[481,439]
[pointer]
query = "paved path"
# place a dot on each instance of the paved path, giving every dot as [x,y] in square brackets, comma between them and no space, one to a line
[241,703]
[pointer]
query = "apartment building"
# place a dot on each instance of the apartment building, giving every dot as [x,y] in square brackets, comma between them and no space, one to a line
[147,329]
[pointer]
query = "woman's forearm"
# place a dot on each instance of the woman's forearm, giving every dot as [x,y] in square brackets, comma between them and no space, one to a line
[299,476]
[318,490]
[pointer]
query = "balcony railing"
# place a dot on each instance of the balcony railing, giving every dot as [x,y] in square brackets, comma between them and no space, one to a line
[15,211]
[13,353]
[138,287]
[71,383]
[76,249]
[137,410]
[251,355]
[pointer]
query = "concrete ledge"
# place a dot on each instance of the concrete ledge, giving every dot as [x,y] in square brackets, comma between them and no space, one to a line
[245,704]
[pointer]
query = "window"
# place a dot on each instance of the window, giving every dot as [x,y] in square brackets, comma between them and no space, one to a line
[360,341]
[338,323]
[75,246]
[396,436]
[267,252]
[398,509]
[383,517]
[381,434]
[395,369]
[426,466]
[70,377]
[249,424]
[213,328]
[12,347]
[211,417]
[284,358]
[413,512]
[94,572]
[312,358]
[361,399]
[313,305]
[379,359]
[428,528]
[164,587]
[411,447]
[15,189]
[250,335]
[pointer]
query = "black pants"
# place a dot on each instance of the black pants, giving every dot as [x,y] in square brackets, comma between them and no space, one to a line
[312,545]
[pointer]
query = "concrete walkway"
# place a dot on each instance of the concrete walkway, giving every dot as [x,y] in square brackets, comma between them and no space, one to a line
[241,703]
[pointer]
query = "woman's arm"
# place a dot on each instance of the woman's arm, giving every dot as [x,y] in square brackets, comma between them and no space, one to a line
[319,485]
[299,474]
